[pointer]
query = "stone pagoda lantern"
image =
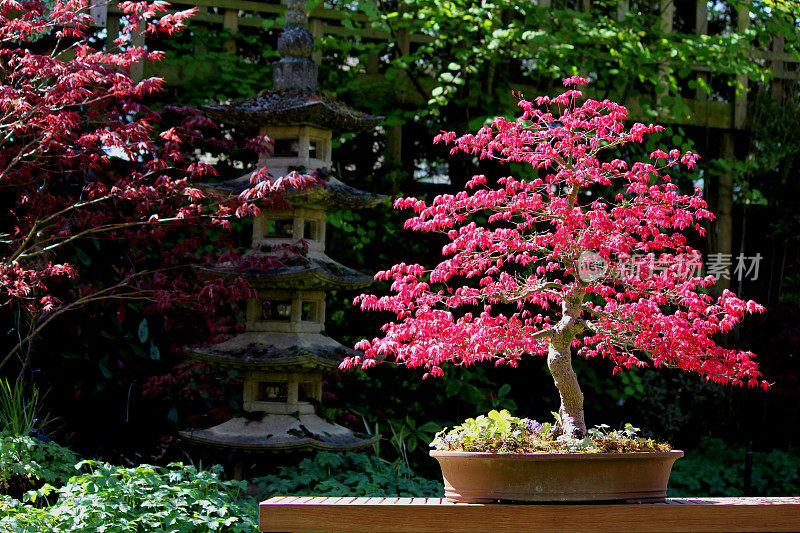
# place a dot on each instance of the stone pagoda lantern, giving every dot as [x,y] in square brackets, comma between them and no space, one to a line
[283,352]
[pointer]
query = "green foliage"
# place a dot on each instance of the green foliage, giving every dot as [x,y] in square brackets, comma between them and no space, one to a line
[406,438]
[483,400]
[500,432]
[30,458]
[145,498]
[397,404]
[716,468]
[627,439]
[347,474]
[496,432]
[482,50]
[103,497]
[199,54]
[95,496]
[20,408]
[624,386]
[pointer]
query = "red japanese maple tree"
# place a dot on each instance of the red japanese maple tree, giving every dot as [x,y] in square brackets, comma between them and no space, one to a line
[547,265]
[82,156]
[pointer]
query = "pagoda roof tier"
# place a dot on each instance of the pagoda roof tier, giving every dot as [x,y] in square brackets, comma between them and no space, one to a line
[275,351]
[312,272]
[292,107]
[330,194]
[277,432]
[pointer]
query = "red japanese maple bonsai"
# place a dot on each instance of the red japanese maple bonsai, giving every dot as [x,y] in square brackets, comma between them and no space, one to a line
[546,265]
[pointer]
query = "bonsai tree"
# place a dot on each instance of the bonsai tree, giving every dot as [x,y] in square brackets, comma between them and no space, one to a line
[588,256]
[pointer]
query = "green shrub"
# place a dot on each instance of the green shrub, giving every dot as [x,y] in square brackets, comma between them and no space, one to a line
[347,474]
[717,469]
[27,462]
[111,499]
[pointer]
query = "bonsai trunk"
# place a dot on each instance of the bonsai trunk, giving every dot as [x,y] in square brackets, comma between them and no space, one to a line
[559,361]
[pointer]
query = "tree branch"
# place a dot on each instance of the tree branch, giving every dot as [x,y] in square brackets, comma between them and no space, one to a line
[102,294]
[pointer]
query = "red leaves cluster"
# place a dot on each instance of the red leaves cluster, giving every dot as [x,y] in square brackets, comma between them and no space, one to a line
[83,157]
[503,284]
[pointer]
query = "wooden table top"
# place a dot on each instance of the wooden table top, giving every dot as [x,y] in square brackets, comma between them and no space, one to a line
[436,515]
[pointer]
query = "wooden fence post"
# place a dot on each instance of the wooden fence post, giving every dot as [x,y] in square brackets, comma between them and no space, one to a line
[623,6]
[701,28]
[724,210]
[230,21]
[315,27]
[777,66]
[138,40]
[740,99]
[112,31]
[394,139]
[667,14]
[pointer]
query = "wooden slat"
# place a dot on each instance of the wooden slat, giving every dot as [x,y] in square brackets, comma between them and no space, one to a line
[258,7]
[740,98]
[269,9]
[419,515]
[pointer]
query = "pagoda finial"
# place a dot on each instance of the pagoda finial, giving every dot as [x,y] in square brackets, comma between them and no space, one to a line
[295,70]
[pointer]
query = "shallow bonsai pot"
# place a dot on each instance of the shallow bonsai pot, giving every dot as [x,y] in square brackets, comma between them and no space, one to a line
[479,477]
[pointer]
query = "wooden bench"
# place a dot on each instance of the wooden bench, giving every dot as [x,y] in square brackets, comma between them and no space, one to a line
[435,515]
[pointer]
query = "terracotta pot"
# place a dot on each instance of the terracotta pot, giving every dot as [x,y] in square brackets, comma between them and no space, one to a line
[476,477]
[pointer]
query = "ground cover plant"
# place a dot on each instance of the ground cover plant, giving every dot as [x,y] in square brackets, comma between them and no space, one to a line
[98,496]
[500,432]
[718,468]
[104,497]
[27,463]
[588,253]
[346,474]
